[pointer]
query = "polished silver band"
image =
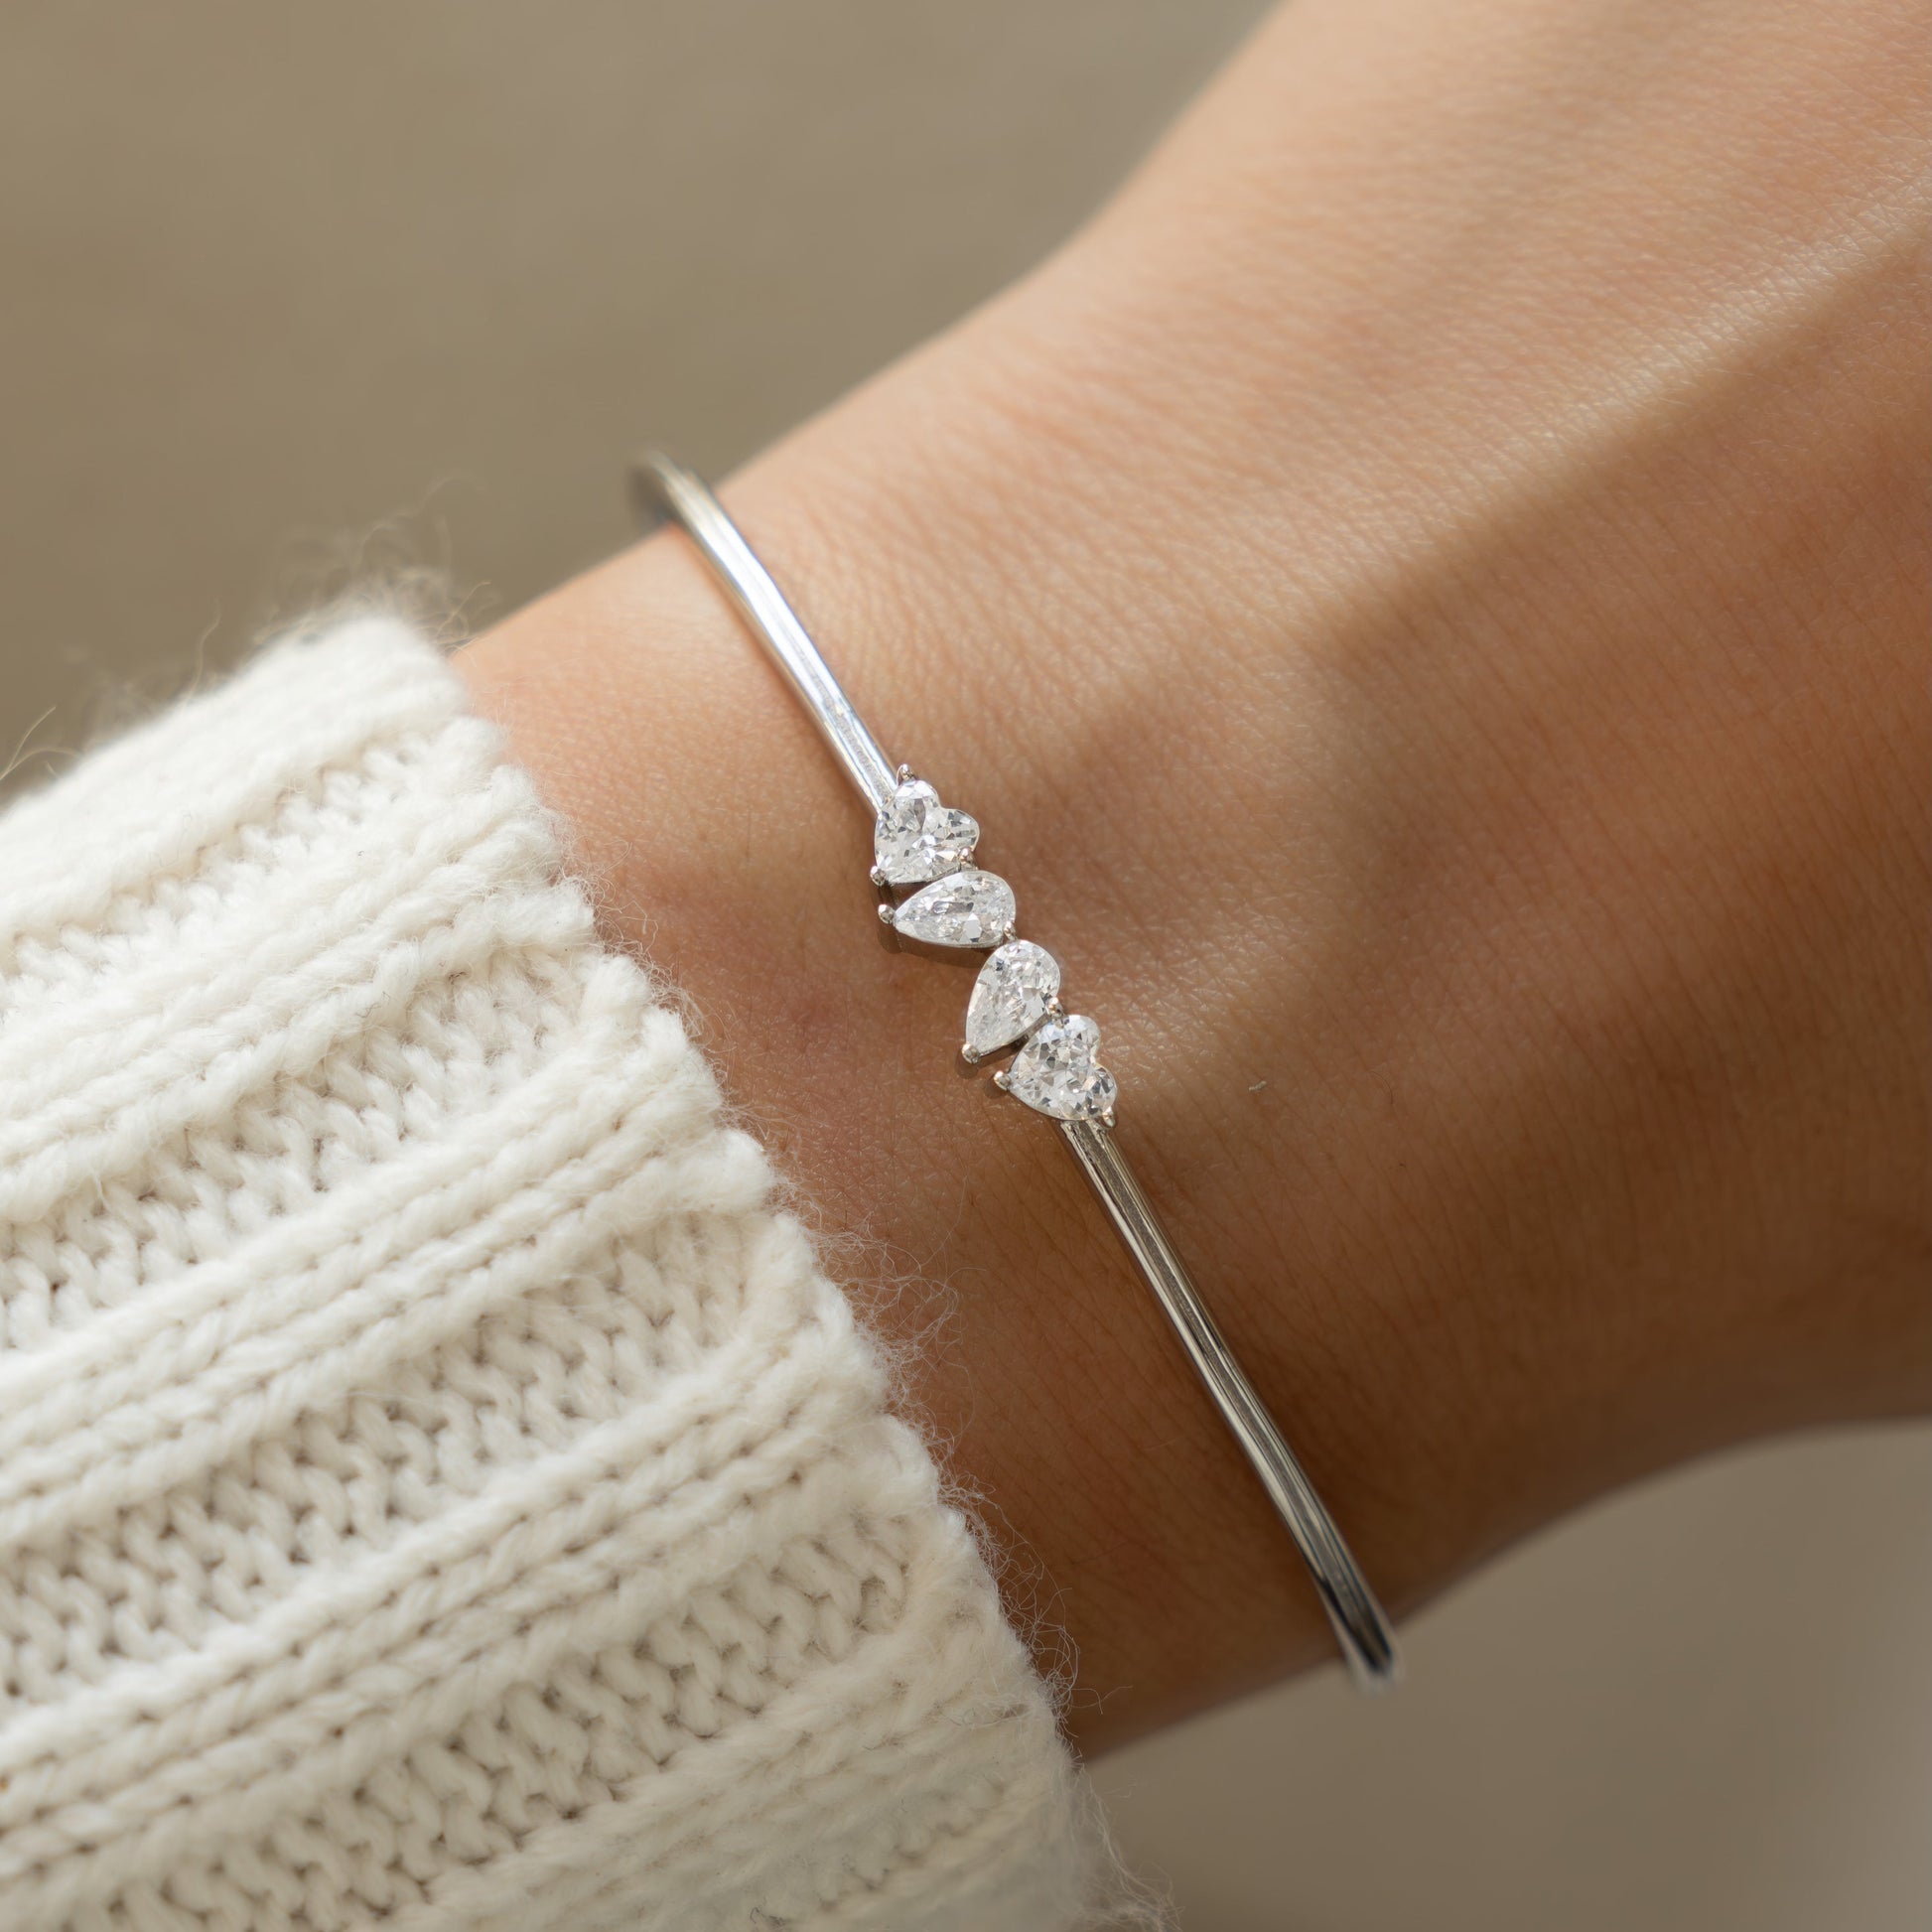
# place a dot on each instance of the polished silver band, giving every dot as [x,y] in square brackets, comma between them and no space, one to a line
[1056,1071]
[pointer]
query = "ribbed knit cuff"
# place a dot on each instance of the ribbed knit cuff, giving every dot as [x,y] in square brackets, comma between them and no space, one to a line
[437,1488]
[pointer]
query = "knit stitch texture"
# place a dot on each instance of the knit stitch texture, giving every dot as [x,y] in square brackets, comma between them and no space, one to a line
[437,1489]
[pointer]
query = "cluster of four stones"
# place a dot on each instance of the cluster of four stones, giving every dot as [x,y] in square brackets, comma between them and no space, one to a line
[918,841]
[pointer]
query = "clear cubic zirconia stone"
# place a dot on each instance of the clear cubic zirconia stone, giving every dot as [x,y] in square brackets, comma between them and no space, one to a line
[917,838]
[1055,1072]
[1011,996]
[965,909]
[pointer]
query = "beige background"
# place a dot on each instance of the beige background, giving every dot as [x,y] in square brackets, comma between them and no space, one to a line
[292,292]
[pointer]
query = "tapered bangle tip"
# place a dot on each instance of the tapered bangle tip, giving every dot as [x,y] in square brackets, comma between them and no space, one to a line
[1369,1649]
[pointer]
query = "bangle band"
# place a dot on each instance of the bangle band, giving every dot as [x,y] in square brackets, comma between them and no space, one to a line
[920,843]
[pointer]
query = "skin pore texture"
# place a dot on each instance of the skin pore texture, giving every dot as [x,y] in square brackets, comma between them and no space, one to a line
[1425,596]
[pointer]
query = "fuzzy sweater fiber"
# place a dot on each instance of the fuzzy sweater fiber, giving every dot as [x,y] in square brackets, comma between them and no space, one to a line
[437,1489]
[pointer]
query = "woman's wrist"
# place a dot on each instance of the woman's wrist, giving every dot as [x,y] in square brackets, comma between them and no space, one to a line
[724,843]
[1440,843]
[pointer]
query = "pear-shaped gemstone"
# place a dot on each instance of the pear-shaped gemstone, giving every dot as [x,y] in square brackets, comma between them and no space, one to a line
[1011,997]
[1056,1071]
[965,909]
[917,838]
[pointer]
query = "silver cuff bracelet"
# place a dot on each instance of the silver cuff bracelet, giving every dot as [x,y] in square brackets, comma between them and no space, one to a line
[921,844]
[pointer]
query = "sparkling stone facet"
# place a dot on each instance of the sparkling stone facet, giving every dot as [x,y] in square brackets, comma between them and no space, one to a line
[1010,994]
[917,838]
[965,909]
[1056,1072]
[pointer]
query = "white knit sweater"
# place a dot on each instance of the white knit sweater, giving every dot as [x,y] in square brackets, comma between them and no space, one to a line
[437,1488]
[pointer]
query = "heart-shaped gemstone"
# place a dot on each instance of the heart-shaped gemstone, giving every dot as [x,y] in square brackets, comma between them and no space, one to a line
[1056,1071]
[1011,997]
[965,909]
[917,838]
